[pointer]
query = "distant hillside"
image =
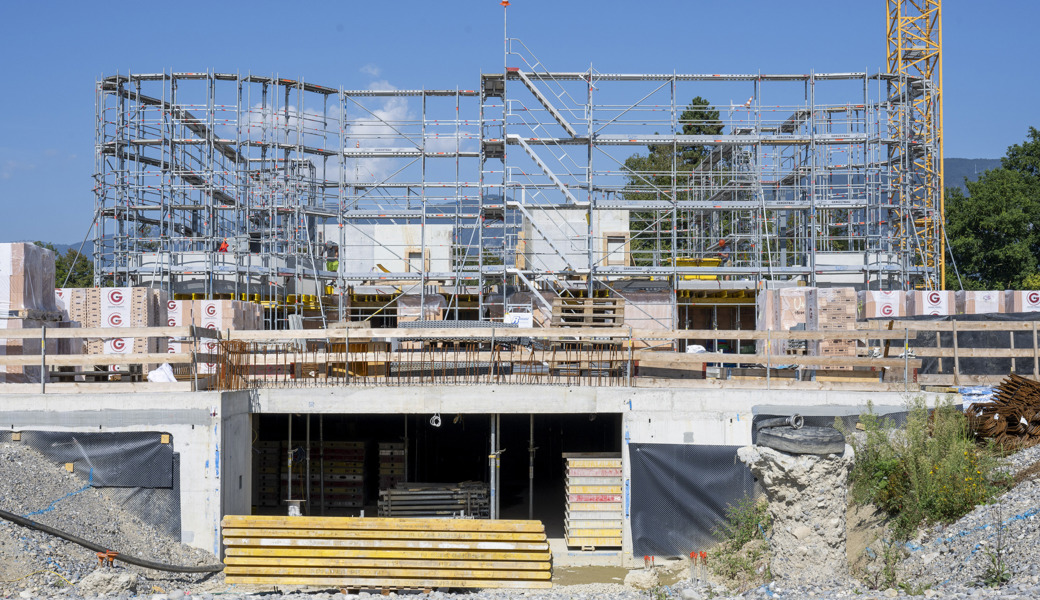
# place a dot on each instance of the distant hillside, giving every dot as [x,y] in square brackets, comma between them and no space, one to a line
[957,169]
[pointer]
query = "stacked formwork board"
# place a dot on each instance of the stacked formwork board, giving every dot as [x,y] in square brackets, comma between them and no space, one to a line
[336,475]
[267,478]
[594,515]
[391,464]
[343,475]
[219,315]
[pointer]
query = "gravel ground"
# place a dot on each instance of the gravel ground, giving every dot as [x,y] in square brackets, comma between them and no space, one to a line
[32,561]
[950,559]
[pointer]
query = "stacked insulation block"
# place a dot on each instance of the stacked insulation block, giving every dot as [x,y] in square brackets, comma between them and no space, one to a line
[26,302]
[121,307]
[391,464]
[878,304]
[219,315]
[1018,301]
[831,309]
[934,303]
[979,302]
[593,517]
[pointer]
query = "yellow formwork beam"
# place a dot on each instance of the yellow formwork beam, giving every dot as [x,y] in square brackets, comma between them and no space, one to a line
[326,553]
[371,543]
[402,560]
[385,534]
[381,523]
[405,583]
[392,572]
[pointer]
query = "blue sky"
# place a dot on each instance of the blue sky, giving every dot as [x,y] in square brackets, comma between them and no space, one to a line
[55,51]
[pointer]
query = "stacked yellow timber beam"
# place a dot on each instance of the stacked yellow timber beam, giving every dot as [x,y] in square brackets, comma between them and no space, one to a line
[368,553]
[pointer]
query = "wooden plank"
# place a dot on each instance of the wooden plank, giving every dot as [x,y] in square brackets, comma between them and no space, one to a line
[562,333]
[130,387]
[593,489]
[325,571]
[384,534]
[972,352]
[84,360]
[935,379]
[111,332]
[381,523]
[372,543]
[403,560]
[677,360]
[775,383]
[357,582]
[326,553]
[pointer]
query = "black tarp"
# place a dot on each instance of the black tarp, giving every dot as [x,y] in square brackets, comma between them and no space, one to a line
[971,339]
[680,493]
[134,468]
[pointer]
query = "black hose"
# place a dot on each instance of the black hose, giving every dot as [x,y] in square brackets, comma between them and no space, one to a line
[794,422]
[133,560]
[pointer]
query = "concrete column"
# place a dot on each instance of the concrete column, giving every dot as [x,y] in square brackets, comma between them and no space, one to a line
[808,501]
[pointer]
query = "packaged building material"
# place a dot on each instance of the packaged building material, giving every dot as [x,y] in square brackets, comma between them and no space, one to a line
[930,303]
[780,309]
[417,307]
[219,315]
[26,280]
[879,304]
[979,303]
[26,291]
[1017,301]
[831,309]
[649,310]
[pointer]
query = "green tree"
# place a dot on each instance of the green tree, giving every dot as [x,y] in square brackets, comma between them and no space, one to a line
[994,234]
[80,266]
[650,179]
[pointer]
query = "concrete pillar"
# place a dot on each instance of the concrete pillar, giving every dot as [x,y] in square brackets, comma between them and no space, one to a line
[808,501]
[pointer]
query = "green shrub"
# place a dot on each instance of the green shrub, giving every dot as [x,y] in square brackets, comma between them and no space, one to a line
[742,554]
[929,470]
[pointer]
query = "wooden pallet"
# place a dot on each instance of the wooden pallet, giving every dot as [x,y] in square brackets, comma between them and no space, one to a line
[588,312]
[367,553]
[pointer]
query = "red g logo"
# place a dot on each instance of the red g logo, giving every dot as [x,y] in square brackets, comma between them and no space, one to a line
[115,320]
[172,350]
[934,298]
[171,304]
[119,344]
[886,310]
[115,297]
[211,310]
[211,326]
[1033,297]
[171,322]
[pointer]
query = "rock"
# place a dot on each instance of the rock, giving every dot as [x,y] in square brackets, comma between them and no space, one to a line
[891,593]
[642,579]
[176,595]
[108,582]
[807,500]
[690,594]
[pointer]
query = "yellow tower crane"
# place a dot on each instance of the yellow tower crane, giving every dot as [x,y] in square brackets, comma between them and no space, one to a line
[914,51]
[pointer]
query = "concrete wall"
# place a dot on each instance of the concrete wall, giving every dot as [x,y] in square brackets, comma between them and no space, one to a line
[556,239]
[209,430]
[368,245]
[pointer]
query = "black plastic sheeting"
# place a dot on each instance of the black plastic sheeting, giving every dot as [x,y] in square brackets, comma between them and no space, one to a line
[124,459]
[135,469]
[971,339]
[680,493]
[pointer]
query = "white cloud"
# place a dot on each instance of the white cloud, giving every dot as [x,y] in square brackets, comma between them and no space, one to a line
[9,168]
[371,69]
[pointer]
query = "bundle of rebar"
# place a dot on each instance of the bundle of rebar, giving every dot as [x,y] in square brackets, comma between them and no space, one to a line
[1012,419]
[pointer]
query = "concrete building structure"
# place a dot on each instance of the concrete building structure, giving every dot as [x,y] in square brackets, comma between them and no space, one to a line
[216,434]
